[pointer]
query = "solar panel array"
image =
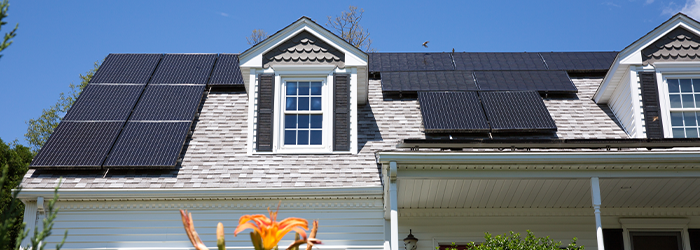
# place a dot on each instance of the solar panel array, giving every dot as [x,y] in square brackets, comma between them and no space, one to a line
[519,111]
[542,81]
[452,111]
[428,81]
[484,111]
[579,61]
[498,61]
[136,112]
[383,62]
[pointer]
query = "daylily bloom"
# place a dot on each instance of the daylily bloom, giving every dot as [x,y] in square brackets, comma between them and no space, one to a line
[270,230]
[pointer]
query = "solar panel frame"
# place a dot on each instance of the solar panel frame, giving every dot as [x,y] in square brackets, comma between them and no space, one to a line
[427,81]
[383,62]
[579,61]
[447,112]
[226,71]
[516,111]
[498,61]
[104,102]
[152,145]
[525,80]
[184,69]
[168,103]
[127,68]
[78,145]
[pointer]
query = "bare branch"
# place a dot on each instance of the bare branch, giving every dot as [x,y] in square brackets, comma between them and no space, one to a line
[256,37]
[347,26]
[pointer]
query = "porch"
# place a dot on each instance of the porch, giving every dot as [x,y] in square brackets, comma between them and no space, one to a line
[457,197]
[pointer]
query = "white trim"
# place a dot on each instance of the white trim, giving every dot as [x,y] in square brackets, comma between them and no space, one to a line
[205,193]
[655,225]
[544,212]
[522,158]
[595,196]
[636,104]
[326,109]
[676,70]
[393,195]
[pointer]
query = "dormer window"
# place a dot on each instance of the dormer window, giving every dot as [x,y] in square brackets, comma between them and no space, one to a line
[684,102]
[303,113]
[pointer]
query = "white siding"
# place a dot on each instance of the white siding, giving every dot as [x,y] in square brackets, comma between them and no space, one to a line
[343,224]
[621,104]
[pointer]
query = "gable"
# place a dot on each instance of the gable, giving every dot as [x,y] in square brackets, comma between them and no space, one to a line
[678,45]
[304,48]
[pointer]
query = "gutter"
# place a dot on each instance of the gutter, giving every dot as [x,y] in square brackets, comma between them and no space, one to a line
[551,143]
[559,158]
[206,193]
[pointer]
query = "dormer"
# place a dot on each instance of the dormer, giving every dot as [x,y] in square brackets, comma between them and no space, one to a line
[653,86]
[304,86]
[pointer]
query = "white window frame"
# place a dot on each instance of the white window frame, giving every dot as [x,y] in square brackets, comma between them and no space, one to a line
[655,225]
[326,111]
[672,70]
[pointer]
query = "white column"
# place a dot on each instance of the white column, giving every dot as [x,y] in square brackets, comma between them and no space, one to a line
[595,195]
[394,207]
[29,218]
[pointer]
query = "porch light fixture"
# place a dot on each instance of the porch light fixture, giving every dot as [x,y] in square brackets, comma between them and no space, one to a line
[410,242]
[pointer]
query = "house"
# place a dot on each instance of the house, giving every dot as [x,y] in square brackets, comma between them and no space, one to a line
[602,146]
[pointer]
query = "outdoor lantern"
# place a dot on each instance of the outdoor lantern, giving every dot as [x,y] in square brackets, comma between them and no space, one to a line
[410,242]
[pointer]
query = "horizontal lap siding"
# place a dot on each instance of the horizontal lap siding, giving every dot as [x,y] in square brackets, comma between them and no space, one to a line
[358,226]
[623,107]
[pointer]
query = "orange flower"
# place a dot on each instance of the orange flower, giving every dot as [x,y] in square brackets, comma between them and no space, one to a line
[270,230]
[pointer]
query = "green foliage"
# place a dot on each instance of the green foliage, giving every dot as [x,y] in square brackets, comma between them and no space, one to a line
[4,7]
[36,241]
[513,241]
[14,159]
[39,129]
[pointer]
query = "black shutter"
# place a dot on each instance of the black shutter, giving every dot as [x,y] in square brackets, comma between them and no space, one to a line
[266,93]
[612,239]
[650,104]
[694,235]
[341,112]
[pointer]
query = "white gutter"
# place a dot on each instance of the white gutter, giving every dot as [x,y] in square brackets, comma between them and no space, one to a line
[539,157]
[205,193]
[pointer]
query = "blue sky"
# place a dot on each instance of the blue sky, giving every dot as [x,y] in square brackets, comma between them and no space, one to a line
[58,40]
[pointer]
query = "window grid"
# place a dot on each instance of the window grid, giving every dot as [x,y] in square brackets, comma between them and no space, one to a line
[684,99]
[303,113]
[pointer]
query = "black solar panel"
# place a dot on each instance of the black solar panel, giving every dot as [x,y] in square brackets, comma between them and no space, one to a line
[168,103]
[579,61]
[184,68]
[226,71]
[383,62]
[104,102]
[149,144]
[543,81]
[126,68]
[427,81]
[520,111]
[498,61]
[78,145]
[452,112]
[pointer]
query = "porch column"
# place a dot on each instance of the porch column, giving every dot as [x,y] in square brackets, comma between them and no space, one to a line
[394,207]
[30,210]
[595,194]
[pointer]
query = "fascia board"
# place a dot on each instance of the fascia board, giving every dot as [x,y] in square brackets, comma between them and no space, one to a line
[201,193]
[538,158]
[353,56]
[632,54]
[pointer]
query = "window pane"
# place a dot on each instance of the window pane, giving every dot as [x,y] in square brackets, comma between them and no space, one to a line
[315,88]
[689,118]
[678,133]
[291,103]
[290,137]
[315,103]
[676,119]
[303,137]
[290,121]
[691,133]
[675,101]
[316,121]
[316,137]
[696,85]
[686,85]
[303,103]
[303,88]
[673,86]
[303,121]
[688,101]
[291,88]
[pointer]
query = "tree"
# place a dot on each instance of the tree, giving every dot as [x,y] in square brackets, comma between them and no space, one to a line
[40,129]
[256,37]
[347,26]
[4,6]
[14,159]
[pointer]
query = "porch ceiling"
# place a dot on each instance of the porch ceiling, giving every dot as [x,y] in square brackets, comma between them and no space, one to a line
[546,193]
